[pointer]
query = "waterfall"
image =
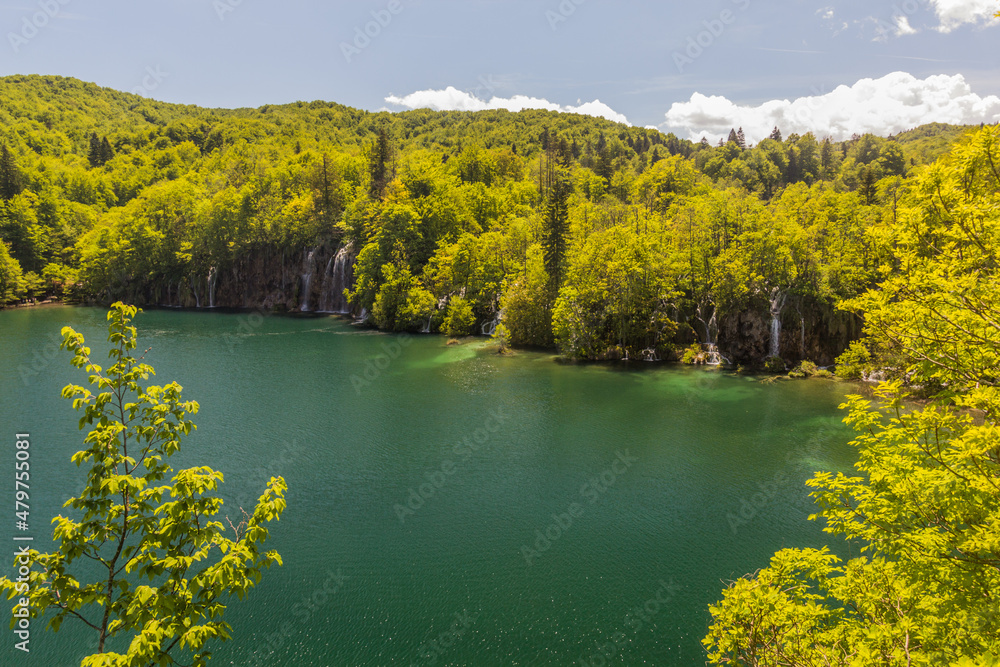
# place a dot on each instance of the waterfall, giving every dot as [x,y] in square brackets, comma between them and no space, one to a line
[324,291]
[490,328]
[712,356]
[335,281]
[211,287]
[427,327]
[308,268]
[777,304]
[197,297]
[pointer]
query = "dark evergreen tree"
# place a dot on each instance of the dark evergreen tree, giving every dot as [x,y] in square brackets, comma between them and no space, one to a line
[326,184]
[107,152]
[775,134]
[10,175]
[94,155]
[732,137]
[380,166]
[556,227]
[867,179]
[740,139]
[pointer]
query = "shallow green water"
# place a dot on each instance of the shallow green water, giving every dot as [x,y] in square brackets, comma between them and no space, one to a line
[416,490]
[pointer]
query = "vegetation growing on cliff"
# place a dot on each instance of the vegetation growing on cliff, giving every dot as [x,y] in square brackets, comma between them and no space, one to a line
[925,504]
[606,240]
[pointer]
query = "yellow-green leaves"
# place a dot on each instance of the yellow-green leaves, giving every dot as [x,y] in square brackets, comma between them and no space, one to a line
[925,505]
[163,563]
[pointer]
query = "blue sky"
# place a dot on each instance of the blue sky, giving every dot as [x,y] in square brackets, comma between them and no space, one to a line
[691,68]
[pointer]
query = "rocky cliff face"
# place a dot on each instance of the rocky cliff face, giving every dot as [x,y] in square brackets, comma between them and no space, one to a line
[309,280]
[808,330]
[313,280]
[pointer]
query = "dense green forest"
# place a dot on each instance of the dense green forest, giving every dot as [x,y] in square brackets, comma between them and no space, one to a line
[605,240]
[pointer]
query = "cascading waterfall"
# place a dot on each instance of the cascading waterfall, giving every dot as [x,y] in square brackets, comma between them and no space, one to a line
[490,328]
[211,287]
[324,296]
[308,268]
[427,327]
[712,356]
[335,281]
[777,305]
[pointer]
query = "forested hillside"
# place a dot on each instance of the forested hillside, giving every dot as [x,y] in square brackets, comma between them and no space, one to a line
[604,240]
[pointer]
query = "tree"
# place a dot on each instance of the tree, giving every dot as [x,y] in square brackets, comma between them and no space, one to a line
[460,319]
[556,226]
[380,165]
[107,152]
[925,506]
[10,175]
[166,565]
[775,134]
[94,155]
[11,277]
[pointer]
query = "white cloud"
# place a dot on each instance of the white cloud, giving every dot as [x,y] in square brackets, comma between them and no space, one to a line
[896,102]
[903,27]
[825,13]
[452,99]
[954,13]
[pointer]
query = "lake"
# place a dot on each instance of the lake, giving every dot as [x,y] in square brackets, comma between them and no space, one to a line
[448,505]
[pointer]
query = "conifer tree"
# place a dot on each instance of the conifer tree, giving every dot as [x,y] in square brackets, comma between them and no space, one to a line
[380,166]
[10,176]
[107,152]
[556,226]
[94,156]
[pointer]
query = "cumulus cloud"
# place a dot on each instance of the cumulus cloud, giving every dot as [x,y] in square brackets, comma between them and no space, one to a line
[903,27]
[894,103]
[954,13]
[452,99]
